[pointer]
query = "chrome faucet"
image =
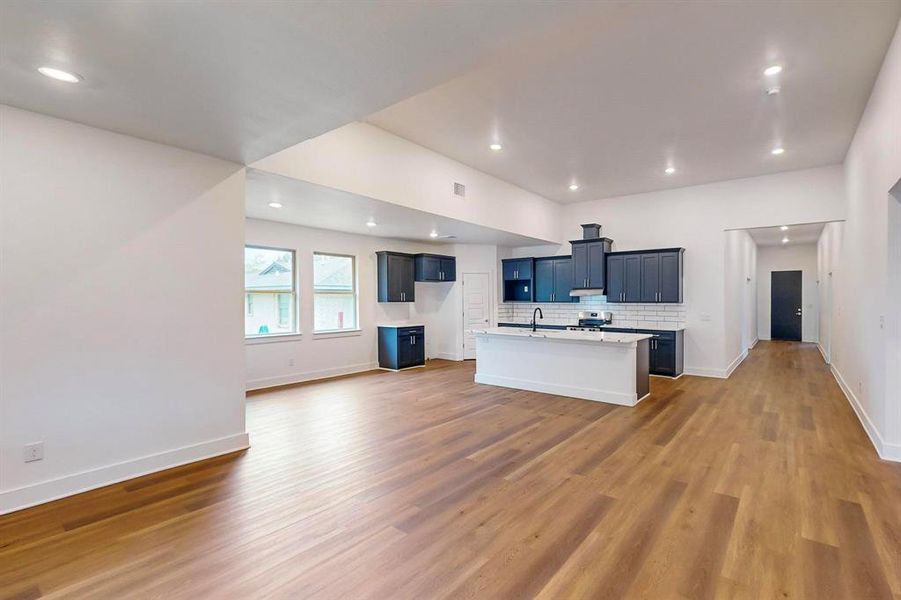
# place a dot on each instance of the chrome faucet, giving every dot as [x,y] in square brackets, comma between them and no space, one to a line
[540,316]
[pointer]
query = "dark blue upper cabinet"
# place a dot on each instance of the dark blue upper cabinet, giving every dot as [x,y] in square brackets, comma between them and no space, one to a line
[590,263]
[646,276]
[435,267]
[616,278]
[553,279]
[650,277]
[671,276]
[563,280]
[544,280]
[518,279]
[395,277]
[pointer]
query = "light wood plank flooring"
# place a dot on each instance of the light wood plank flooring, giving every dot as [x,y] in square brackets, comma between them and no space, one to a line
[424,485]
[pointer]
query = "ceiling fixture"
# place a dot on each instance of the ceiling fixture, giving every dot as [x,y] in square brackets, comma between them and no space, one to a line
[773,90]
[60,75]
[772,70]
[434,234]
[496,147]
[669,170]
[573,186]
[785,240]
[784,228]
[777,151]
[275,204]
[370,223]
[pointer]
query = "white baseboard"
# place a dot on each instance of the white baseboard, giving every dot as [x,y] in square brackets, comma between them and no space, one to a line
[754,343]
[266,382]
[885,450]
[717,373]
[448,356]
[76,483]
[560,390]
[823,353]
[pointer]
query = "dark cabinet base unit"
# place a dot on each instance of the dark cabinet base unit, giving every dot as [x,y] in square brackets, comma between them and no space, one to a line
[666,352]
[401,347]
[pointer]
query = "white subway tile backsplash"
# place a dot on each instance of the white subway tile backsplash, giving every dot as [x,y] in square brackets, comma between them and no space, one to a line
[646,316]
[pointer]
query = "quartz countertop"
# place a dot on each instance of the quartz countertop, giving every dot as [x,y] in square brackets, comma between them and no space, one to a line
[602,337]
[400,324]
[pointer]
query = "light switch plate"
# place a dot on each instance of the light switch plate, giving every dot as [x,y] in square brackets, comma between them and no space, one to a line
[34,452]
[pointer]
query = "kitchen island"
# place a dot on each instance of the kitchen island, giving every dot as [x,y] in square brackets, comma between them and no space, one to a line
[601,366]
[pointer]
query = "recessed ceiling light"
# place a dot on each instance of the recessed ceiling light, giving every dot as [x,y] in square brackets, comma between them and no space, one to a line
[777,151]
[773,90]
[60,75]
[772,70]
[785,240]
[370,223]
[573,186]
[434,234]
[669,170]
[275,204]
[496,147]
[784,228]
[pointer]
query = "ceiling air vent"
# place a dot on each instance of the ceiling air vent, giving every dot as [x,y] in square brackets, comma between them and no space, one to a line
[459,189]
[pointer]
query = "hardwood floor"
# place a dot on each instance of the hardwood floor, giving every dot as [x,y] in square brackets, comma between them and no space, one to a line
[422,484]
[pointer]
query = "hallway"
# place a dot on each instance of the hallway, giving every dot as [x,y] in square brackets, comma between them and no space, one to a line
[425,485]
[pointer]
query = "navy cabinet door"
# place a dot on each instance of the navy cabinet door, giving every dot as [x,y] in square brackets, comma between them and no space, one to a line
[448,269]
[405,351]
[406,277]
[524,269]
[597,265]
[580,266]
[616,278]
[418,351]
[670,277]
[509,270]
[563,279]
[650,277]
[632,278]
[395,278]
[664,362]
[544,280]
[430,268]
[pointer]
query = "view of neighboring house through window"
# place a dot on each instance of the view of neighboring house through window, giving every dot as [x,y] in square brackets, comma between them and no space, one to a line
[270,298]
[334,292]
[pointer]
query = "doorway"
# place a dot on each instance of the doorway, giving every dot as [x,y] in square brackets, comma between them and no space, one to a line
[785,305]
[476,309]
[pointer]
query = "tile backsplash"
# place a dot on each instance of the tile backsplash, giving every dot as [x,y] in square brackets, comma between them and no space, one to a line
[641,316]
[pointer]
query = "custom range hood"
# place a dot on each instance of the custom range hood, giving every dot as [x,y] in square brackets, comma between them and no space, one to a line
[590,262]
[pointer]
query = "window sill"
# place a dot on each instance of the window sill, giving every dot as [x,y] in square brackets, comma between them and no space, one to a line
[339,333]
[272,338]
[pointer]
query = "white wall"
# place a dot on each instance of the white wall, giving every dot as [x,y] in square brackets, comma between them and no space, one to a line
[800,257]
[865,315]
[695,218]
[310,356]
[120,307]
[740,296]
[828,256]
[369,161]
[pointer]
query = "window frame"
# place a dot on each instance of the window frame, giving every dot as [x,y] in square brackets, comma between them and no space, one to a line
[294,292]
[355,291]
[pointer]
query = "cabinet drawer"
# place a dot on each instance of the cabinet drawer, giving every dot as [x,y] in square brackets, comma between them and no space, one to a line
[410,331]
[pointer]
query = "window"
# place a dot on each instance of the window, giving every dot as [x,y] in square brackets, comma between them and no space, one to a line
[269,291]
[334,292]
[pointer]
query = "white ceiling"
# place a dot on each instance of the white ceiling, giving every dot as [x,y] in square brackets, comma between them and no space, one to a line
[808,233]
[612,98]
[312,205]
[245,78]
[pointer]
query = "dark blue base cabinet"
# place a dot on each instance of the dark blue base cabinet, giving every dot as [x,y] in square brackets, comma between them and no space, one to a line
[401,347]
[665,350]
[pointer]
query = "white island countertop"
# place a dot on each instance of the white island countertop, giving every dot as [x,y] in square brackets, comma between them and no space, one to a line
[596,337]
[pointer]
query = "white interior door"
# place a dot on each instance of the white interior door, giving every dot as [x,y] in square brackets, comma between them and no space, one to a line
[476,309]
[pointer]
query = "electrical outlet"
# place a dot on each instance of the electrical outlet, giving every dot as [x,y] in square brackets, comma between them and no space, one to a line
[34,452]
[881,321]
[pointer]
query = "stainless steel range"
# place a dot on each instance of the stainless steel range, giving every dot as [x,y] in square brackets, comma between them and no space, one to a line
[592,321]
